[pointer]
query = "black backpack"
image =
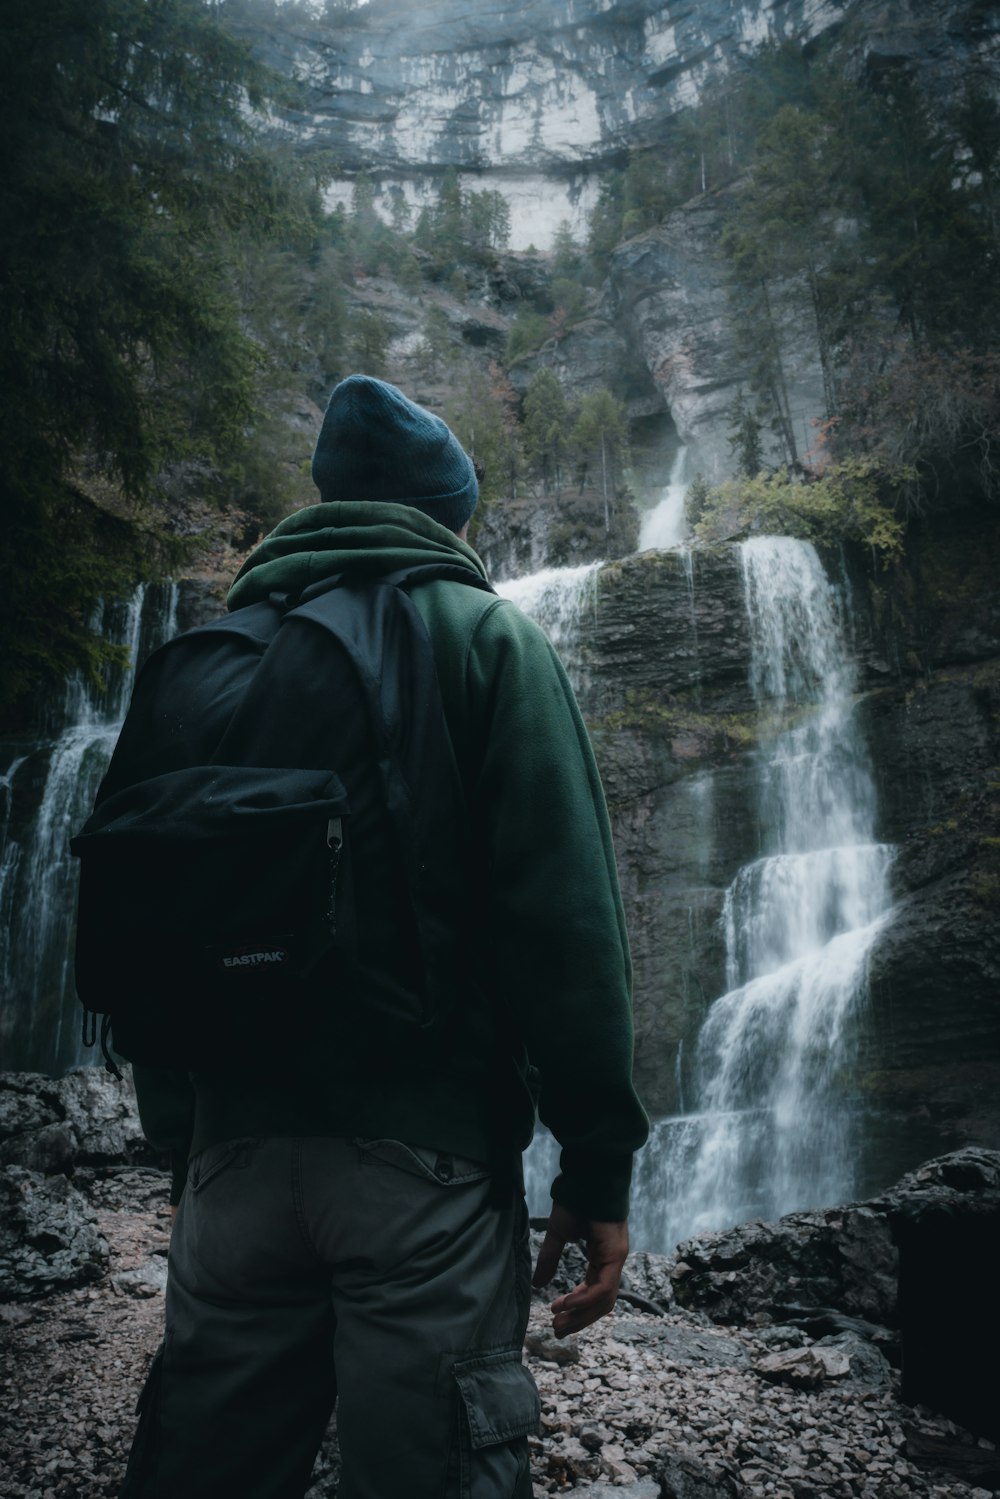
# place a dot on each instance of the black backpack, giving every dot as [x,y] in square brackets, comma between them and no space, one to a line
[281,828]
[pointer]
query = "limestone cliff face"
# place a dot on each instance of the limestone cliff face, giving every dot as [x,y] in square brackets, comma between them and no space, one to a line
[540,100]
[530,86]
[538,86]
[669,292]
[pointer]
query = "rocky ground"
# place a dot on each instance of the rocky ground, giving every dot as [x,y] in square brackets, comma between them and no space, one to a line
[656,1402]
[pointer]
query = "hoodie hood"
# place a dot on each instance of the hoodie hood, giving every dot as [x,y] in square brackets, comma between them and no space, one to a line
[363,537]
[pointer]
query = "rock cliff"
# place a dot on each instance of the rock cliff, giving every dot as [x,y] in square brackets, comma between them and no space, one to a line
[663,660]
[541,102]
[533,97]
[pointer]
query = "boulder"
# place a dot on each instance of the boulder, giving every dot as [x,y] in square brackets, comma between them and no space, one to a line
[690,1478]
[843,1257]
[48,1236]
[848,1259]
[51,1125]
[804,1368]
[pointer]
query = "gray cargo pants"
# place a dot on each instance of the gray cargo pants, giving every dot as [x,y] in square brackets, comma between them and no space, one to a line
[384,1276]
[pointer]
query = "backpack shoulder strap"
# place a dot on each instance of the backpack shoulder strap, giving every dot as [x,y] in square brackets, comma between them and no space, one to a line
[378,626]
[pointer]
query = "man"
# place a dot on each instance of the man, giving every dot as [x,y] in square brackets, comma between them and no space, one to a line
[353,1224]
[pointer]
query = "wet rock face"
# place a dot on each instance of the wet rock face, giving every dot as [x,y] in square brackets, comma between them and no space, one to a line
[929,648]
[664,661]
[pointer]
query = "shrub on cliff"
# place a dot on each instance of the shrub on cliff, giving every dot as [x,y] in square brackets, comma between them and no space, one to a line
[857,500]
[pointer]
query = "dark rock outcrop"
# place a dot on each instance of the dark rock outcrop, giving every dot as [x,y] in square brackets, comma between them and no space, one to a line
[842,1257]
[52,1125]
[663,662]
[48,1236]
[928,643]
[845,1258]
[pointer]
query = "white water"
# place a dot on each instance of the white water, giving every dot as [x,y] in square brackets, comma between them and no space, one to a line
[558,599]
[663,527]
[38,877]
[771,1129]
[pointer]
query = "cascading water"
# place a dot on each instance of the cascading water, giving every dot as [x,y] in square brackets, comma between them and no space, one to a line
[772,1124]
[663,526]
[39,1019]
[557,598]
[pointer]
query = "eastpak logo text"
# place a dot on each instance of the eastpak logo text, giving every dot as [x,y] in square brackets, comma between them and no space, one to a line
[252,959]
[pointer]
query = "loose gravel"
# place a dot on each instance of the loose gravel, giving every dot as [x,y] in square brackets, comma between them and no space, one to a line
[627,1406]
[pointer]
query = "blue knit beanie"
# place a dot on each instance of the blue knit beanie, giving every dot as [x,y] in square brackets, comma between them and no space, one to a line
[377,445]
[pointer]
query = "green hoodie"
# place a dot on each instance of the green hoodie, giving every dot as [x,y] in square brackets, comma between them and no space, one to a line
[550,976]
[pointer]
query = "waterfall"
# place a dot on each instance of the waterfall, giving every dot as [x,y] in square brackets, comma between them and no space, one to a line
[39,1019]
[772,1126]
[663,526]
[558,599]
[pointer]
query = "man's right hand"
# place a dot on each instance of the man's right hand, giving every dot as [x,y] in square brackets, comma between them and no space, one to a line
[607,1250]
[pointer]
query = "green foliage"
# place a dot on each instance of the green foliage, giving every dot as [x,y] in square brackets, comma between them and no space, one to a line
[933,414]
[528,332]
[544,432]
[408,273]
[128,164]
[70,553]
[369,343]
[485,221]
[606,219]
[569,298]
[600,441]
[855,500]
[482,414]
[567,258]
[437,348]
[745,439]
[462,226]
[862,203]
[327,316]
[697,500]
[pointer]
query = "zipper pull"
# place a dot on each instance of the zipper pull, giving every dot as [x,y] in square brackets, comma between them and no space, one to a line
[334,834]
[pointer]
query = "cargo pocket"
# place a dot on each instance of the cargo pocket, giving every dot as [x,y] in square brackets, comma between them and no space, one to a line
[142,1455]
[499,1409]
[215,1158]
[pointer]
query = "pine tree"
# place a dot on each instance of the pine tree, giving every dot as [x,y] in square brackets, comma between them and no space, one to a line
[544,430]
[566,253]
[369,343]
[482,414]
[437,348]
[600,436]
[744,438]
[128,161]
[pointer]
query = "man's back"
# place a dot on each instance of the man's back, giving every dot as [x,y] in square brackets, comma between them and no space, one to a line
[354,1200]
